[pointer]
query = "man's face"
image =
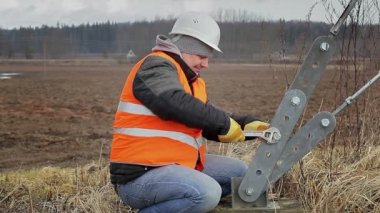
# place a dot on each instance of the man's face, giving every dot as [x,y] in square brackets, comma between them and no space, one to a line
[196,62]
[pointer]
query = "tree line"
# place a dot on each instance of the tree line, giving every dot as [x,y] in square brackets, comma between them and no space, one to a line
[240,39]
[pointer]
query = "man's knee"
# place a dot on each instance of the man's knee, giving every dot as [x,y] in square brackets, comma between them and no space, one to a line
[209,198]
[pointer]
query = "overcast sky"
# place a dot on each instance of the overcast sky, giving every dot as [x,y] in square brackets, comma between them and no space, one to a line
[16,13]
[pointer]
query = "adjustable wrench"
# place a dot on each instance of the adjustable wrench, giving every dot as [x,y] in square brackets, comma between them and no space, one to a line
[270,135]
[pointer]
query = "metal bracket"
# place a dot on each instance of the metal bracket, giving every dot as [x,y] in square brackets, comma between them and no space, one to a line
[302,142]
[256,178]
[314,65]
[272,160]
[262,204]
[237,202]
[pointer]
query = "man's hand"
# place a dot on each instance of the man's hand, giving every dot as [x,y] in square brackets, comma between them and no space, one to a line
[234,134]
[257,126]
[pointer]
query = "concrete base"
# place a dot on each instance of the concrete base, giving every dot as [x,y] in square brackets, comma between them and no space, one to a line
[281,206]
[234,203]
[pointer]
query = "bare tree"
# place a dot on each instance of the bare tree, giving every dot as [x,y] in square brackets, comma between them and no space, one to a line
[358,56]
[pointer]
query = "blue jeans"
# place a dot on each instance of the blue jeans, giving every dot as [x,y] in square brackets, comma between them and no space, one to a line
[179,189]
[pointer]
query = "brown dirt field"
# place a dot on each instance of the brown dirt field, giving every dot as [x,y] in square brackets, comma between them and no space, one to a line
[62,114]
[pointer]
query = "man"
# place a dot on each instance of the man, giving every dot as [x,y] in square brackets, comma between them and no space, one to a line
[158,160]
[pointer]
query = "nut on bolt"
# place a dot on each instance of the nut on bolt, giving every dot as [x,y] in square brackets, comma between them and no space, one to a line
[324,46]
[295,101]
[277,136]
[325,122]
[249,191]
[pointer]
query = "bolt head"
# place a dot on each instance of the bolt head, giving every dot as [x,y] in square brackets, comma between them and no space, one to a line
[325,122]
[277,136]
[324,46]
[295,101]
[249,191]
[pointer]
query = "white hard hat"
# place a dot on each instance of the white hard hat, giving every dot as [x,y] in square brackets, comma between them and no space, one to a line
[200,26]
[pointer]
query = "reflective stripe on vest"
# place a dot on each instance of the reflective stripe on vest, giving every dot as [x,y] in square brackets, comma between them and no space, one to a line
[134,108]
[179,136]
[141,132]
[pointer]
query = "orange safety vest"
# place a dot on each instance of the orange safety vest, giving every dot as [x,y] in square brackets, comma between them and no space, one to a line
[141,137]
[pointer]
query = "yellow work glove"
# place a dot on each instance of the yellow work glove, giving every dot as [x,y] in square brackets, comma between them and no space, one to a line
[234,134]
[256,126]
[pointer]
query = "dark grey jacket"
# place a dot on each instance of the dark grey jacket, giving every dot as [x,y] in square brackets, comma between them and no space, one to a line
[156,85]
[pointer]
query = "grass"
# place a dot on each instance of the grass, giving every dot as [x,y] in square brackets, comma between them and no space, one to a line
[52,189]
[329,179]
[352,186]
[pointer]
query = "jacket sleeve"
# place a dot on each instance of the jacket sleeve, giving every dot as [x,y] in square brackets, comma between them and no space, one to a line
[243,120]
[157,86]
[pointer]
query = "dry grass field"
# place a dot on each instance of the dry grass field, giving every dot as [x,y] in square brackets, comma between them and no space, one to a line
[56,124]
